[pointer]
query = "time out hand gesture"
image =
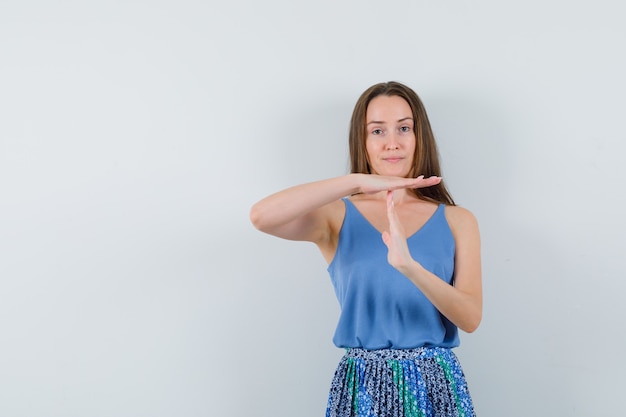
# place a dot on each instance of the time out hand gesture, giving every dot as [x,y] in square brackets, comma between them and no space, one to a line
[398,254]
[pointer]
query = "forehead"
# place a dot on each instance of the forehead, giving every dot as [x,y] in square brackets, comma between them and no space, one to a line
[388,108]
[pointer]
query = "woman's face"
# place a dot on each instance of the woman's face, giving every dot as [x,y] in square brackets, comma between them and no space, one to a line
[390,141]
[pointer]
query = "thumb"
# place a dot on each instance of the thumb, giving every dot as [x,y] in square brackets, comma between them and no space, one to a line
[386,237]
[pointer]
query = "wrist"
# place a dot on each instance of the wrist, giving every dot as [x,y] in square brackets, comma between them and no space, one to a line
[356,183]
[410,269]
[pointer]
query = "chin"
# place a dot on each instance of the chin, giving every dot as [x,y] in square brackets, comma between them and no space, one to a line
[403,173]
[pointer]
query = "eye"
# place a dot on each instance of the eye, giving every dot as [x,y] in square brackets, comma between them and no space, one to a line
[377,132]
[405,129]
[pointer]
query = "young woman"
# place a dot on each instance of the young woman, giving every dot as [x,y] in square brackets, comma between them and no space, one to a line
[403,258]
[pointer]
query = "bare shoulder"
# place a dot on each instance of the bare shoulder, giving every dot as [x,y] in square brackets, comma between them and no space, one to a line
[461,220]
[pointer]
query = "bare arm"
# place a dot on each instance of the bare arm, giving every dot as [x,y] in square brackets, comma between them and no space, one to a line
[301,212]
[305,212]
[461,303]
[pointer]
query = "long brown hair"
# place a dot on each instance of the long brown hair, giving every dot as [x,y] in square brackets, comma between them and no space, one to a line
[426,157]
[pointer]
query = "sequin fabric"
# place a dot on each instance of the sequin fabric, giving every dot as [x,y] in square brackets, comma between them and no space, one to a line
[421,382]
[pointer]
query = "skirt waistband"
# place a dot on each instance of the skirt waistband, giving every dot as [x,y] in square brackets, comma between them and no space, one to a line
[401,354]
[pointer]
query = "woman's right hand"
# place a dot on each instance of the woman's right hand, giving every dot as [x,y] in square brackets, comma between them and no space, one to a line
[372,183]
[313,211]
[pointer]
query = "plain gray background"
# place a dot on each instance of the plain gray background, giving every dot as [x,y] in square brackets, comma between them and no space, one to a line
[135,136]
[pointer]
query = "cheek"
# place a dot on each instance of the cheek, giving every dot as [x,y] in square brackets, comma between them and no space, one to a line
[411,150]
[411,146]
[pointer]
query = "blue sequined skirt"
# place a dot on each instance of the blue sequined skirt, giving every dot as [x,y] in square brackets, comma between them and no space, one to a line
[421,382]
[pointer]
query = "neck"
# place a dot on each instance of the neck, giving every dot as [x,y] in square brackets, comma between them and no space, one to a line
[399,196]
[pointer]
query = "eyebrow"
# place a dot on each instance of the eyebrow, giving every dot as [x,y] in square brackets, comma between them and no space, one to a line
[400,120]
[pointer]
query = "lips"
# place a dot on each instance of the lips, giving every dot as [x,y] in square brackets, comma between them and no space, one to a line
[393,159]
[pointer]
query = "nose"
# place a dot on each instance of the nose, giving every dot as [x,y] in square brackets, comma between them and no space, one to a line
[392,142]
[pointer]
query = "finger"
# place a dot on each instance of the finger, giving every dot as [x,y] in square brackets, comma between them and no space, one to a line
[422,182]
[390,206]
[392,216]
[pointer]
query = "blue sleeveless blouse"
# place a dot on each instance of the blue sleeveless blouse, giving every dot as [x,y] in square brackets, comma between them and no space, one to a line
[380,307]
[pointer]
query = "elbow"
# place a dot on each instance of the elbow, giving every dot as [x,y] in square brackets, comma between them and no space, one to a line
[256,217]
[471,324]
[260,219]
[470,328]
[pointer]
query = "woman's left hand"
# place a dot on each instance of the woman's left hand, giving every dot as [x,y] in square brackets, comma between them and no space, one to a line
[398,254]
[460,302]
